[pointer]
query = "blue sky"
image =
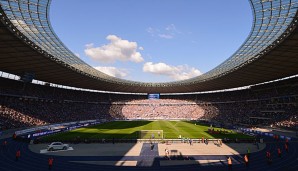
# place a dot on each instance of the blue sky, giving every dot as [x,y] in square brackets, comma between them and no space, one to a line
[152,40]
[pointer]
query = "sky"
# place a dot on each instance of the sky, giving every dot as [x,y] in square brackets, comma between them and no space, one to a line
[152,40]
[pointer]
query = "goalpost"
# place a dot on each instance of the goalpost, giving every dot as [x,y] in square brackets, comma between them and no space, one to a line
[151,134]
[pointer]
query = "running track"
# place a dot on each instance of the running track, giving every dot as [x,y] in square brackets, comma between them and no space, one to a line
[30,161]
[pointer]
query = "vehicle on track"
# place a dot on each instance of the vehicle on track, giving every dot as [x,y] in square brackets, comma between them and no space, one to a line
[57,146]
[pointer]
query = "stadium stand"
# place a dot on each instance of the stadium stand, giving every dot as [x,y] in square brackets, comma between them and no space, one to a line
[271,104]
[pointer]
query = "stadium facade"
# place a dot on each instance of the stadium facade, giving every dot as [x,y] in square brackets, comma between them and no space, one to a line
[28,44]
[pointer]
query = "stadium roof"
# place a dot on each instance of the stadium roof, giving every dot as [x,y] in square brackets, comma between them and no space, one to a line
[29,44]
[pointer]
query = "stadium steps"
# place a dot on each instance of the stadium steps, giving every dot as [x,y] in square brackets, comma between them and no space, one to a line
[147,156]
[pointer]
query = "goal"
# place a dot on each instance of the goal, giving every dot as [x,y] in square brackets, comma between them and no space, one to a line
[151,134]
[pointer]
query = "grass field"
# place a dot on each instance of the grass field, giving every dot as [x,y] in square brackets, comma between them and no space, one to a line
[130,130]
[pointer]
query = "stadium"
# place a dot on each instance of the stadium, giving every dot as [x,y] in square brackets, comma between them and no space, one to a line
[246,106]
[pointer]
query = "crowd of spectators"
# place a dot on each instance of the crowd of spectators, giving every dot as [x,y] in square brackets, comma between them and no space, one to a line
[23,105]
[23,112]
[162,109]
[10,118]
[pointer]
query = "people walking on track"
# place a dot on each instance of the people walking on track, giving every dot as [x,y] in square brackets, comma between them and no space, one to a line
[4,143]
[18,154]
[14,136]
[279,152]
[268,156]
[246,160]
[151,146]
[229,163]
[167,153]
[287,141]
[277,138]
[286,147]
[248,152]
[50,162]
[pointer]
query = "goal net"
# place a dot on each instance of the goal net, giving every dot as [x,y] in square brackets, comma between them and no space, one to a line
[151,134]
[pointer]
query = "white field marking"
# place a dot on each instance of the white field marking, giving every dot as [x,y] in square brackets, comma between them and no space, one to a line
[175,127]
[176,123]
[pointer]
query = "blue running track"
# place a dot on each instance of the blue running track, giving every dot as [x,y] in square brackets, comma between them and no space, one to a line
[148,160]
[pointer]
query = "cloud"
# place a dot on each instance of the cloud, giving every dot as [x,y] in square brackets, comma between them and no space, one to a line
[166,36]
[141,48]
[117,49]
[112,71]
[172,28]
[152,31]
[78,55]
[169,32]
[90,45]
[179,72]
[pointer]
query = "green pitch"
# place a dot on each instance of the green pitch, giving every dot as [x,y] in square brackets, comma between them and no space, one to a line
[130,130]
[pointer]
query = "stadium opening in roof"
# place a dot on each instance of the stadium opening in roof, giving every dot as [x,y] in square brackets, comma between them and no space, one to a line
[257,60]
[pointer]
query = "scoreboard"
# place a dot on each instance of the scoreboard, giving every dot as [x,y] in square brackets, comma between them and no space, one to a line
[153,96]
